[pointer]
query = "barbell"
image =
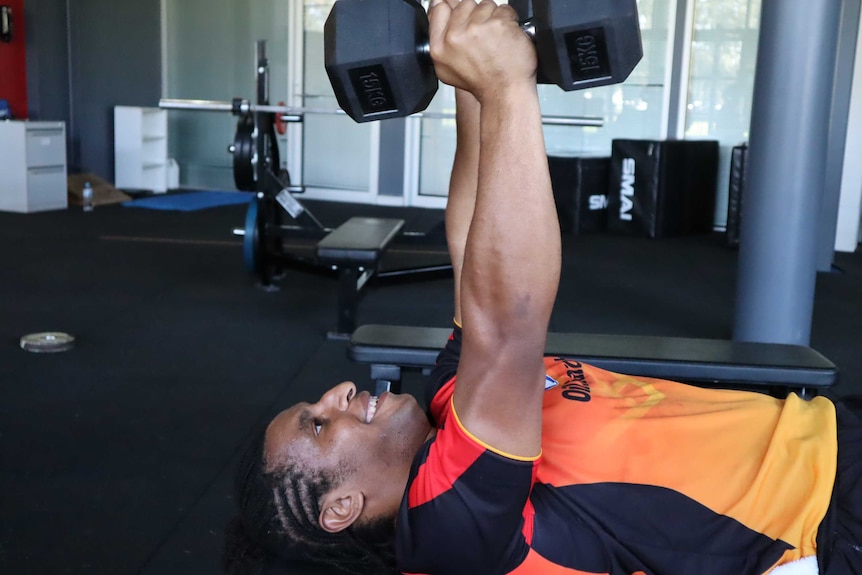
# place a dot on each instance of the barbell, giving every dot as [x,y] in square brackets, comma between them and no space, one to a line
[294,114]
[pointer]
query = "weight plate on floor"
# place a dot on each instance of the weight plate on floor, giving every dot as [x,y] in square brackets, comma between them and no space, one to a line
[251,240]
[47,342]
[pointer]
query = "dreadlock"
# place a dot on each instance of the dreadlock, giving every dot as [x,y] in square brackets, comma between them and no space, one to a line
[278,522]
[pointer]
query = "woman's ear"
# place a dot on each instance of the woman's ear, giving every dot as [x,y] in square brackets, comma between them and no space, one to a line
[340,510]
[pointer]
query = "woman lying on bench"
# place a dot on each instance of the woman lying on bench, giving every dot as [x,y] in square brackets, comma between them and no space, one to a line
[532,465]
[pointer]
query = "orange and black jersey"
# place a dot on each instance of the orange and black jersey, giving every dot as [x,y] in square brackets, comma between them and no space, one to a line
[637,476]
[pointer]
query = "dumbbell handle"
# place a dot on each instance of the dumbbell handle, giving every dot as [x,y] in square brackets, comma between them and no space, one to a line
[527,26]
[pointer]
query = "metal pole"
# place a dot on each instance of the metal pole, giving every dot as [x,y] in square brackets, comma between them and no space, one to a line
[579,121]
[789,138]
[223,106]
[294,114]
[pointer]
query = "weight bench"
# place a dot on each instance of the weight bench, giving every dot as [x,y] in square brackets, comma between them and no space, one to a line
[354,249]
[771,368]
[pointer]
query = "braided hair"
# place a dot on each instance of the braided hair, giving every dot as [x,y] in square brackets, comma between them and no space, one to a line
[277,522]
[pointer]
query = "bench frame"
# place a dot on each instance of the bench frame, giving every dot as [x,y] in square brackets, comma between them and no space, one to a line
[354,250]
[766,367]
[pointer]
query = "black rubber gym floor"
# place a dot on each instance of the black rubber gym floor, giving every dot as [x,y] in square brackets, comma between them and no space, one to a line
[117,457]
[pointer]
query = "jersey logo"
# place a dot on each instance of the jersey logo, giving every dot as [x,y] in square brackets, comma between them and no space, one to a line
[638,404]
[576,387]
[550,382]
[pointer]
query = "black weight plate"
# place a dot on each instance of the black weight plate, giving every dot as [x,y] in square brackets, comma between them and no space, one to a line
[243,153]
[251,245]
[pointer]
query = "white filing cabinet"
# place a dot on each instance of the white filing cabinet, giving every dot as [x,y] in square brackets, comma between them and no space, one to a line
[141,148]
[32,166]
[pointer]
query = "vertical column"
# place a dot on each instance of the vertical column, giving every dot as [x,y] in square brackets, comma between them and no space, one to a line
[392,145]
[679,70]
[789,139]
[843,88]
[848,223]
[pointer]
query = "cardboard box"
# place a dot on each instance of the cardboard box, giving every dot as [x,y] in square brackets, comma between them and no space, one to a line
[103,192]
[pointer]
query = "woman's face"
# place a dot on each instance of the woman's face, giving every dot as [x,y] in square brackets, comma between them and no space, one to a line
[368,439]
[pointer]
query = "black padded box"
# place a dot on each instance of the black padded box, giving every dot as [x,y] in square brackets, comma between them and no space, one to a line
[736,188]
[580,191]
[662,189]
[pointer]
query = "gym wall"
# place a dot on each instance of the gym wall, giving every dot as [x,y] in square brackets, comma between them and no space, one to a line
[115,60]
[47,60]
[13,66]
[83,58]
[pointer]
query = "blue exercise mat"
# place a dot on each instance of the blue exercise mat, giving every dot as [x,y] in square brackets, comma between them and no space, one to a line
[191,201]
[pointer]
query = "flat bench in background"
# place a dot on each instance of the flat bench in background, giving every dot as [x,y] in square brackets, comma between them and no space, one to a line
[354,249]
[772,368]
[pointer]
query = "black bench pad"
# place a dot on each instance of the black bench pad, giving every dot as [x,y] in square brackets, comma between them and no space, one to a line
[674,358]
[359,240]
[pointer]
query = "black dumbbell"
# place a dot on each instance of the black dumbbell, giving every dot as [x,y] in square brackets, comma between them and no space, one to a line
[376,51]
[376,57]
[584,43]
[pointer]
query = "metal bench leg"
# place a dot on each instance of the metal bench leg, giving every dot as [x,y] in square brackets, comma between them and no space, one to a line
[351,281]
[386,378]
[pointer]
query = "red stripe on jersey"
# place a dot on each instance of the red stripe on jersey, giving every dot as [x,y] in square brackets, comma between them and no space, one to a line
[529,513]
[535,564]
[449,456]
[440,403]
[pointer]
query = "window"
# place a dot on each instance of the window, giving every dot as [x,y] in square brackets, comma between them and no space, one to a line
[721,80]
[633,109]
[338,154]
[210,51]
[723,58]
[211,56]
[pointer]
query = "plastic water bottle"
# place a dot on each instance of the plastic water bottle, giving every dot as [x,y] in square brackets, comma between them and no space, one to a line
[88,197]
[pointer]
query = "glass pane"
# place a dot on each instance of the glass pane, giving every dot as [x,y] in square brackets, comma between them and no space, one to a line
[721,79]
[632,109]
[336,150]
[729,14]
[437,145]
[211,56]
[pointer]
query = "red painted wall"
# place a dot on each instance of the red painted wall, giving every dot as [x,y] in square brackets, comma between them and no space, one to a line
[13,63]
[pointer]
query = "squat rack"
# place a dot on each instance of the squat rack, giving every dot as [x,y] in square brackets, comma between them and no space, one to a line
[257,168]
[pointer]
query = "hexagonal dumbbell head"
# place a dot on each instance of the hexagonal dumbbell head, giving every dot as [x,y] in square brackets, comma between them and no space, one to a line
[375,54]
[587,43]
